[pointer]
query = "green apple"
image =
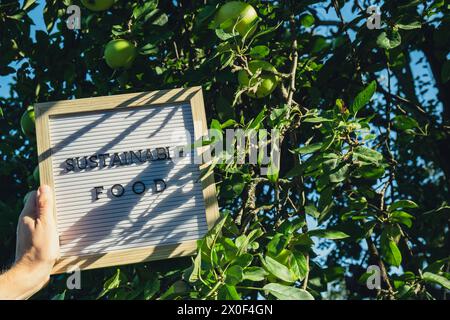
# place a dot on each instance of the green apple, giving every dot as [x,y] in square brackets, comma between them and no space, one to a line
[98,5]
[36,174]
[120,53]
[27,122]
[265,83]
[239,13]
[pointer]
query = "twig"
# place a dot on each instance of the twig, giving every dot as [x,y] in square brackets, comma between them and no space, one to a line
[404,100]
[176,50]
[293,72]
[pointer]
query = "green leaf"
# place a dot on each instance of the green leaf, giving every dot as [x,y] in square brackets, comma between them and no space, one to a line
[401,204]
[283,292]
[244,241]
[278,270]
[243,260]
[395,256]
[27,4]
[328,234]
[312,211]
[320,43]
[390,41]
[196,272]
[18,16]
[369,171]
[363,97]
[175,290]
[255,274]
[205,13]
[310,148]
[111,283]
[331,161]
[303,240]
[273,171]
[145,9]
[340,174]
[300,265]
[402,217]
[227,292]
[410,26]
[436,266]
[403,123]
[228,123]
[151,288]
[276,244]
[256,122]
[161,20]
[222,35]
[278,117]
[148,49]
[389,250]
[268,30]
[333,273]
[366,155]
[234,275]
[435,278]
[316,119]
[212,235]
[59,296]
[230,248]
[259,52]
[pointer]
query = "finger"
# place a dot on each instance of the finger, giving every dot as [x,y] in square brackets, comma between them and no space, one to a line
[45,203]
[29,209]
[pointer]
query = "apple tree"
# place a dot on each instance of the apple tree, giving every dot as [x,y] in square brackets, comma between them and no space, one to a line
[362,189]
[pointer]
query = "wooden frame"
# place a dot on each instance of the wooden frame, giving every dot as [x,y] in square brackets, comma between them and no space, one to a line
[192,96]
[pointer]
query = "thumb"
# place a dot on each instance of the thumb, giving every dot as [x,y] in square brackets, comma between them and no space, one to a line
[44,201]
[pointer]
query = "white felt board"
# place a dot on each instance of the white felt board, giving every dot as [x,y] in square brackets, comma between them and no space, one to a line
[108,224]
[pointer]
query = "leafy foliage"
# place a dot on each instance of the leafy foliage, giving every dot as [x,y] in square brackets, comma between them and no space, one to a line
[365,162]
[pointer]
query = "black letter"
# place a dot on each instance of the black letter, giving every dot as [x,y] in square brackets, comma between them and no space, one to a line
[115,158]
[125,158]
[69,165]
[102,159]
[135,156]
[98,190]
[117,186]
[137,183]
[161,152]
[149,155]
[159,181]
[94,161]
[85,163]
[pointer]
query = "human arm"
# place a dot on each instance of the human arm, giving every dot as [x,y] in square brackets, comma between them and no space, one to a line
[37,248]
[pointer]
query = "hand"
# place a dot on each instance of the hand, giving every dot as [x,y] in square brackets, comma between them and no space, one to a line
[37,248]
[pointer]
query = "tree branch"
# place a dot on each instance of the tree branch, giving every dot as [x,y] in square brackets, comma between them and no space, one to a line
[293,71]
